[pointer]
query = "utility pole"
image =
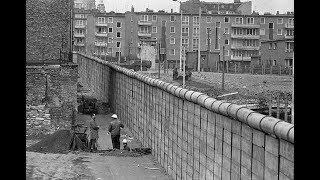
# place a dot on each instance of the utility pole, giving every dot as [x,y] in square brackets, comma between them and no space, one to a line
[159,58]
[209,30]
[223,67]
[184,69]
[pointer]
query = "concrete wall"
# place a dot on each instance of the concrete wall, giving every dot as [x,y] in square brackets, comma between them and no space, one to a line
[61,95]
[194,136]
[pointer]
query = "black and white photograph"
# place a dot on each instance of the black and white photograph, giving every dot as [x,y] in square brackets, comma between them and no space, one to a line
[159,89]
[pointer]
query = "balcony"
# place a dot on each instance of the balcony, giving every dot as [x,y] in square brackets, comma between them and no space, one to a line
[239,58]
[144,23]
[195,34]
[101,24]
[245,25]
[78,35]
[104,34]
[239,36]
[144,34]
[289,26]
[241,47]
[79,44]
[101,44]
[288,36]
[79,26]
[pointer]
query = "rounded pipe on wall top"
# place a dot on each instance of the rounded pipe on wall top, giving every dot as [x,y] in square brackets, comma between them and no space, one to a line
[194,96]
[208,102]
[177,91]
[243,113]
[201,99]
[215,106]
[254,120]
[282,129]
[182,93]
[223,108]
[188,95]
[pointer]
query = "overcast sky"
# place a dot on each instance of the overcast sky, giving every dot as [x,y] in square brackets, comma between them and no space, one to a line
[140,5]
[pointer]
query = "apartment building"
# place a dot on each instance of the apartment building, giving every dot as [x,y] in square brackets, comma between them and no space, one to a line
[84,4]
[240,34]
[80,29]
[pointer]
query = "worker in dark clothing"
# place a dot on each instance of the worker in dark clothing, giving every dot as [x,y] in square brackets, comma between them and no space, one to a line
[114,128]
[175,74]
[93,133]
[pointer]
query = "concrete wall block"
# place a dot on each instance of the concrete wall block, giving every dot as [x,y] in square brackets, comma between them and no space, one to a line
[209,163]
[197,121]
[226,175]
[246,132]
[257,168]
[284,177]
[219,120]
[203,147]
[196,166]
[287,150]
[271,161]
[235,176]
[210,140]
[210,152]
[209,175]
[211,117]
[287,167]
[258,138]
[218,157]
[236,140]
[236,127]
[245,160]
[196,132]
[227,123]
[272,145]
[203,170]
[217,170]
[245,173]
[227,136]
[219,132]
[270,174]
[236,155]
[226,163]
[235,168]
[203,136]
[258,153]
[226,150]
[246,146]
[210,128]
[218,145]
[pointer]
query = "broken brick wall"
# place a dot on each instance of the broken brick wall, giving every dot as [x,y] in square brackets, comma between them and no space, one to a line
[47,28]
[51,96]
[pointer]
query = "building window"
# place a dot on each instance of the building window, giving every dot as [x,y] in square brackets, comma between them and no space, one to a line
[110,19]
[143,29]
[274,62]
[226,19]
[280,21]
[289,32]
[79,22]
[279,32]
[239,20]
[195,32]
[270,25]
[226,52]
[196,20]
[172,52]
[218,24]
[195,43]
[101,30]
[154,29]
[172,40]
[101,20]
[209,19]
[226,41]
[185,20]
[262,20]
[290,21]
[118,44]
[110,40]
[118,54]
[144,18]
[118,34]
[172,29]
[154,18]
[250,20]
[185,42]
[109,50]
[275,46]
[79,31]
[119,24]
[110,29]
[262,31]
[172,18]
[289,47]
[226,30]
[208,30]
[185,31]
[270,45]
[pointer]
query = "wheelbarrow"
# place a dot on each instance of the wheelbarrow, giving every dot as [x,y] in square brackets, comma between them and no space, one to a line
[79,133]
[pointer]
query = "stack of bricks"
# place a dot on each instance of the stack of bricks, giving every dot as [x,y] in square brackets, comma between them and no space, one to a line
[194,136]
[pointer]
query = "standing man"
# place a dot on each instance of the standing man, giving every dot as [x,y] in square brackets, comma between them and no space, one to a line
[93,133]
[114,128]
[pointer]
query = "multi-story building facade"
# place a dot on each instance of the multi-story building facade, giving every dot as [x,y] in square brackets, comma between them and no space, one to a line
[84,4]
[240,34]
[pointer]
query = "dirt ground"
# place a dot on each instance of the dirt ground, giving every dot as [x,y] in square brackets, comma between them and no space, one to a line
[92,166]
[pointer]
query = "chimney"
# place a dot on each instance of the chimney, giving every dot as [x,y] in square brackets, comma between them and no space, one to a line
[132,9]
[171,10]
[147,9]
[277,12]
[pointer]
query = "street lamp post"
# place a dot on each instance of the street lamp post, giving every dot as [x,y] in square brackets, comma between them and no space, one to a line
[223,67]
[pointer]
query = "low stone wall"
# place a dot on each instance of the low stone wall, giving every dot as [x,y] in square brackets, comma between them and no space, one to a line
[194,136]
